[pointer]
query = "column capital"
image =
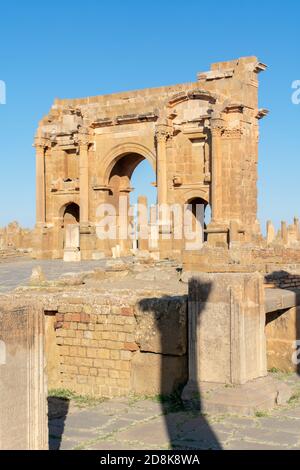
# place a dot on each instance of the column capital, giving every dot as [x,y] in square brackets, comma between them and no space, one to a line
[83,138]
[40,144]
[83,142]
[162,133]
[217,125]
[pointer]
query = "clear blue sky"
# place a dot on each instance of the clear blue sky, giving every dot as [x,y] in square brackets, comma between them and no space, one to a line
[77,48]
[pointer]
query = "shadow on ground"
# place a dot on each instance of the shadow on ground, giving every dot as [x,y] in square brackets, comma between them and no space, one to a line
[57,412]
[195,433]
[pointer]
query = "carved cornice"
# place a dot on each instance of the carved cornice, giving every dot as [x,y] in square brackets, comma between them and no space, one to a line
[260,67]
[102,187]
[124,119]
[234,108]
[134,118]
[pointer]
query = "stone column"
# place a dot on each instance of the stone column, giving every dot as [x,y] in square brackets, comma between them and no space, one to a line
[296,226]
[284,233]
[143,223]
[217,235]
[270,232]
[84,183]
[40,186]
[216,183]
[85,231]
[162,135]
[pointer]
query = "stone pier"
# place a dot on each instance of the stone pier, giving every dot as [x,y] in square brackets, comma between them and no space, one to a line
[23,406]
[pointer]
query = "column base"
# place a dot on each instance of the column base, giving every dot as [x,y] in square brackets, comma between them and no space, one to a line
[217,235]
[71,254]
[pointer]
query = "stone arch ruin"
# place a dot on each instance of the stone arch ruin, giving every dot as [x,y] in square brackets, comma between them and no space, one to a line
[201,138]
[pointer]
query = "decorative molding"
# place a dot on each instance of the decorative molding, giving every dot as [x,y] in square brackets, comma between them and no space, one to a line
[259,67]
[234,133]
[124,119]
[101,187]
[234,108]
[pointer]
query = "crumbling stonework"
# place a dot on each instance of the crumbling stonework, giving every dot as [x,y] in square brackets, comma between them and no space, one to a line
[13,238]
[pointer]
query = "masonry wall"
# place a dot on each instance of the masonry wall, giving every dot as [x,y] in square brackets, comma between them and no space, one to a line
[118,346]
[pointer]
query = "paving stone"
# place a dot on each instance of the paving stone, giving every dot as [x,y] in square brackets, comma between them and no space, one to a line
[68,444]
[132,426]
[115,426]
[115,445]
[287,425]
[79,434]
[113,408]
[195,423]
[148,406]
[268,436]
[153,432]
[136,415]
[87,420]
[240,422]
[291,413]
[247,445]
[204,436]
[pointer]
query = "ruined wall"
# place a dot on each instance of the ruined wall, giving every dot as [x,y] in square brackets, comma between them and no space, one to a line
[112,346]
[243,258]
[14,237]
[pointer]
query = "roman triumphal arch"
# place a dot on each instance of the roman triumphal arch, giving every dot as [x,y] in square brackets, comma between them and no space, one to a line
[201,139]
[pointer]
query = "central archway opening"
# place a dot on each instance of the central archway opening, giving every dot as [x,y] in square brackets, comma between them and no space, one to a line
[132,181]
